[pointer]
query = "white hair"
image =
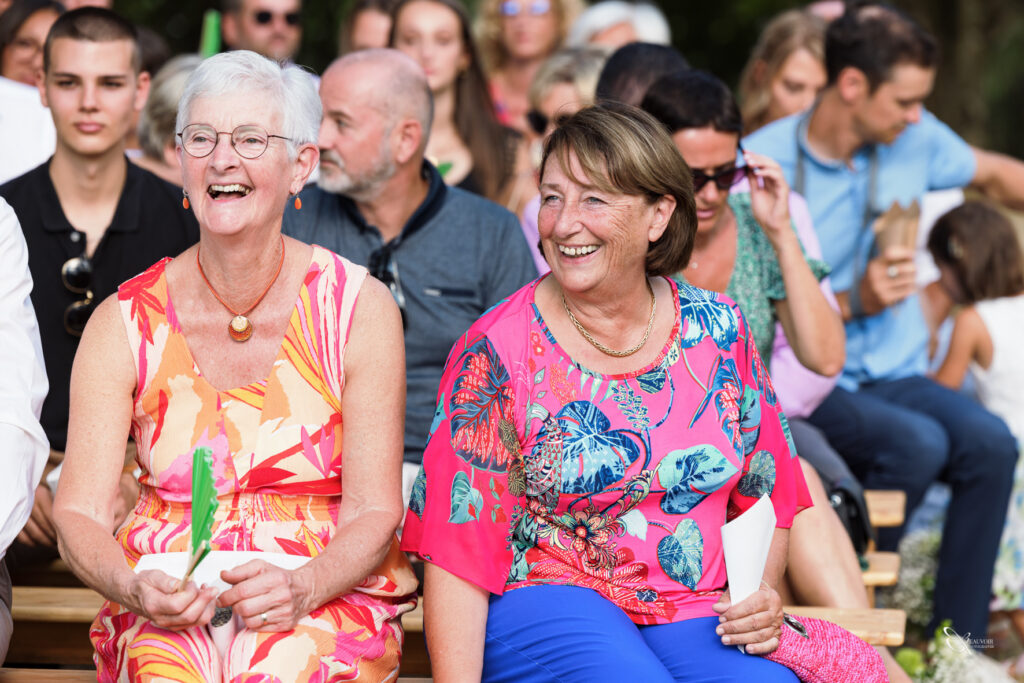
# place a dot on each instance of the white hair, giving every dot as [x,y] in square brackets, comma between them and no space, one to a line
[647,20]
[288,86]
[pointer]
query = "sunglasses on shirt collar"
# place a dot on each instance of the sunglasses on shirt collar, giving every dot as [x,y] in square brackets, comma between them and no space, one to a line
[264,17]
[76,274]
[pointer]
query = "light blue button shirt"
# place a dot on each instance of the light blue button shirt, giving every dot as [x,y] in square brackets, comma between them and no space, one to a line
[926,156]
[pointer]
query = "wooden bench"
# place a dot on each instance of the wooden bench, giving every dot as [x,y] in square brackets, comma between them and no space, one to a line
[874,626]
[886,508]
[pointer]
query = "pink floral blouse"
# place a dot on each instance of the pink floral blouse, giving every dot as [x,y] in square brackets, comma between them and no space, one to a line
[540,471]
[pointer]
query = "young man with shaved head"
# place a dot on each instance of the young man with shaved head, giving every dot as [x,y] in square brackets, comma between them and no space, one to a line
[91,220]
[446,254]
[865,145]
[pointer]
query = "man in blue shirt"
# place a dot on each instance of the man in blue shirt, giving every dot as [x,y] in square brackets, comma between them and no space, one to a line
[865,145]
[446,254]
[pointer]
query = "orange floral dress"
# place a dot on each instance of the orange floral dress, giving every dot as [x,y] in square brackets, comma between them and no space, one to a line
[277,460]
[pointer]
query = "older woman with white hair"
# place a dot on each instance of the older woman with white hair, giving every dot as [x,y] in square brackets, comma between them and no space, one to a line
[614,23]
[254,347]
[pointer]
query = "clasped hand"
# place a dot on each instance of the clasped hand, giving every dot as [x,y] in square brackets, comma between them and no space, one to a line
[754,623]
[266,597]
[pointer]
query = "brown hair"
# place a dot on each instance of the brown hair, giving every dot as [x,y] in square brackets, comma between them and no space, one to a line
[982,248]
[488,29]
[348,23]
[624,150]
[491,145]
[785,34]
[94,25]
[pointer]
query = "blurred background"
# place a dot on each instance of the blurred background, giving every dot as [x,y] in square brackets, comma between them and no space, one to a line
[979,90]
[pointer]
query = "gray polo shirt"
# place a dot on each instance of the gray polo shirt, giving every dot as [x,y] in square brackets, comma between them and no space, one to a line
[457,256]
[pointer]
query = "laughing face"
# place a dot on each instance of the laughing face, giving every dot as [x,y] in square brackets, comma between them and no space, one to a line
[228,192]
[593,239]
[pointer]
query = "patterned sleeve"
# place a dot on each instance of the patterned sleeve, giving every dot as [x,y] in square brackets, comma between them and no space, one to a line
[461,505]
[769,464]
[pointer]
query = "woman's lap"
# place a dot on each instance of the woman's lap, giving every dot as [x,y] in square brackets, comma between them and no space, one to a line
[334,643]
[590,639]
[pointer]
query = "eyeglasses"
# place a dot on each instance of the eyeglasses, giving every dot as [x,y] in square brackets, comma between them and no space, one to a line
[264,17]
[76,274]
[199,140]
[384,268]
[539,121]
[723,180]
[511,8]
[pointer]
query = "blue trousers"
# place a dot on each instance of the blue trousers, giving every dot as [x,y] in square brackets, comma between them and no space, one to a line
[567,634]
[904,434]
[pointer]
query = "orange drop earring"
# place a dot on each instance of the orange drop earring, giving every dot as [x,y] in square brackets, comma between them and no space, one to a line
[298,203]
[184,200]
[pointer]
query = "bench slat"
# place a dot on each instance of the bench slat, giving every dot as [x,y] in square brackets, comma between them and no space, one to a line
[875,626]
[886,508]
[883,569]
[36,603]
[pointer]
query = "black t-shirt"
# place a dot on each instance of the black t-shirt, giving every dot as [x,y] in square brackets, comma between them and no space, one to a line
[149,224]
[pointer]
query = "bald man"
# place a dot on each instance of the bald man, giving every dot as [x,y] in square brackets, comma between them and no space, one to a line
[446,254]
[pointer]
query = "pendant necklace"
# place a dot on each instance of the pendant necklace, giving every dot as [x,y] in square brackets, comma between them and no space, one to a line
[240,328]
[601,347]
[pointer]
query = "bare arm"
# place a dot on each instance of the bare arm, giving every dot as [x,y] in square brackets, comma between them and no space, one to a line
[102,386]
[968,330]
[999,177]
[813,329]
[455,621]
[373,405]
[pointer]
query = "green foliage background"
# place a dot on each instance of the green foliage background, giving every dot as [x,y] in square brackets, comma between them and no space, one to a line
[979,90]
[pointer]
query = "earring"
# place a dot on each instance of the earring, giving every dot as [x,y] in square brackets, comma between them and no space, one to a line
[298,202]
[184,200]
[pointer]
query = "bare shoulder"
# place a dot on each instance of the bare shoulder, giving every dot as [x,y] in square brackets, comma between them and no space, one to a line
[104,351]
[970,331]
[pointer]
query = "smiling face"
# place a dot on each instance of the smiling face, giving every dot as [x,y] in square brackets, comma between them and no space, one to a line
[710,151]
[22,59]
[230,193]
[881,116]
[594,239]
[795,85]
[431,34]
[93,94]
[356,156]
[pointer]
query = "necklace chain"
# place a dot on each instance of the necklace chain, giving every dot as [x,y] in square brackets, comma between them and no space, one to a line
[240,328]
[601,347]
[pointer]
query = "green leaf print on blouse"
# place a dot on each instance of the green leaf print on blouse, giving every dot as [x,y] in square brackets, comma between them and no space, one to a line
[681,555]
[691,475]
[750,419]
[759,479]
[594,456]
[481,400]
[418,499]
[466,500]
[703,315]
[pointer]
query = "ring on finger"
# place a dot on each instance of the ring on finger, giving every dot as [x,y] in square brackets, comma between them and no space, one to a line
[892,271]
[263,618]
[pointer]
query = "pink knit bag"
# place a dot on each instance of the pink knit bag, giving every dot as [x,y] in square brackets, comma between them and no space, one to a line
[818,651]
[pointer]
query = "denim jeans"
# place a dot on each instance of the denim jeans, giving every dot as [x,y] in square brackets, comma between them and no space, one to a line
[906,433]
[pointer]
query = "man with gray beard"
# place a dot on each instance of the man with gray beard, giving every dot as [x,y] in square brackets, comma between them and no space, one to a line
[447,255]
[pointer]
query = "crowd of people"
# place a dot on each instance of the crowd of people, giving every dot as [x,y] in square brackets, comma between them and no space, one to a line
[527,299]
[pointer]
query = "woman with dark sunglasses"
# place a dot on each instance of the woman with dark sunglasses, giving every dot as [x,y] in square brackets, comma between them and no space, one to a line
[746,246]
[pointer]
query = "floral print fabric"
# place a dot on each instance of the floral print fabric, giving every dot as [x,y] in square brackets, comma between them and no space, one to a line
[277,458]
[540,471]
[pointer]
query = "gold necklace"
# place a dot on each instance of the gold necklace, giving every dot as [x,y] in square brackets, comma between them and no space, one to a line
[601,347]
[240,327]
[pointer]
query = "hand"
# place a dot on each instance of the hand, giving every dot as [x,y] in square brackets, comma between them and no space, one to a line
[39,529]
[267,598]
[755,623]
[156,596]
[769,198]
[888,279]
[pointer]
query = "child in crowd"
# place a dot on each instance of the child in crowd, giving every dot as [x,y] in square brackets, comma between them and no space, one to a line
[979,256]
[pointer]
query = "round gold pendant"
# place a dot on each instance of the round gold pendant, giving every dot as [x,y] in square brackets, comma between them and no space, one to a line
[240,328]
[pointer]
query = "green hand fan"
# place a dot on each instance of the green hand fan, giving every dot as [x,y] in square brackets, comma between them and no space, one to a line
[204,505]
